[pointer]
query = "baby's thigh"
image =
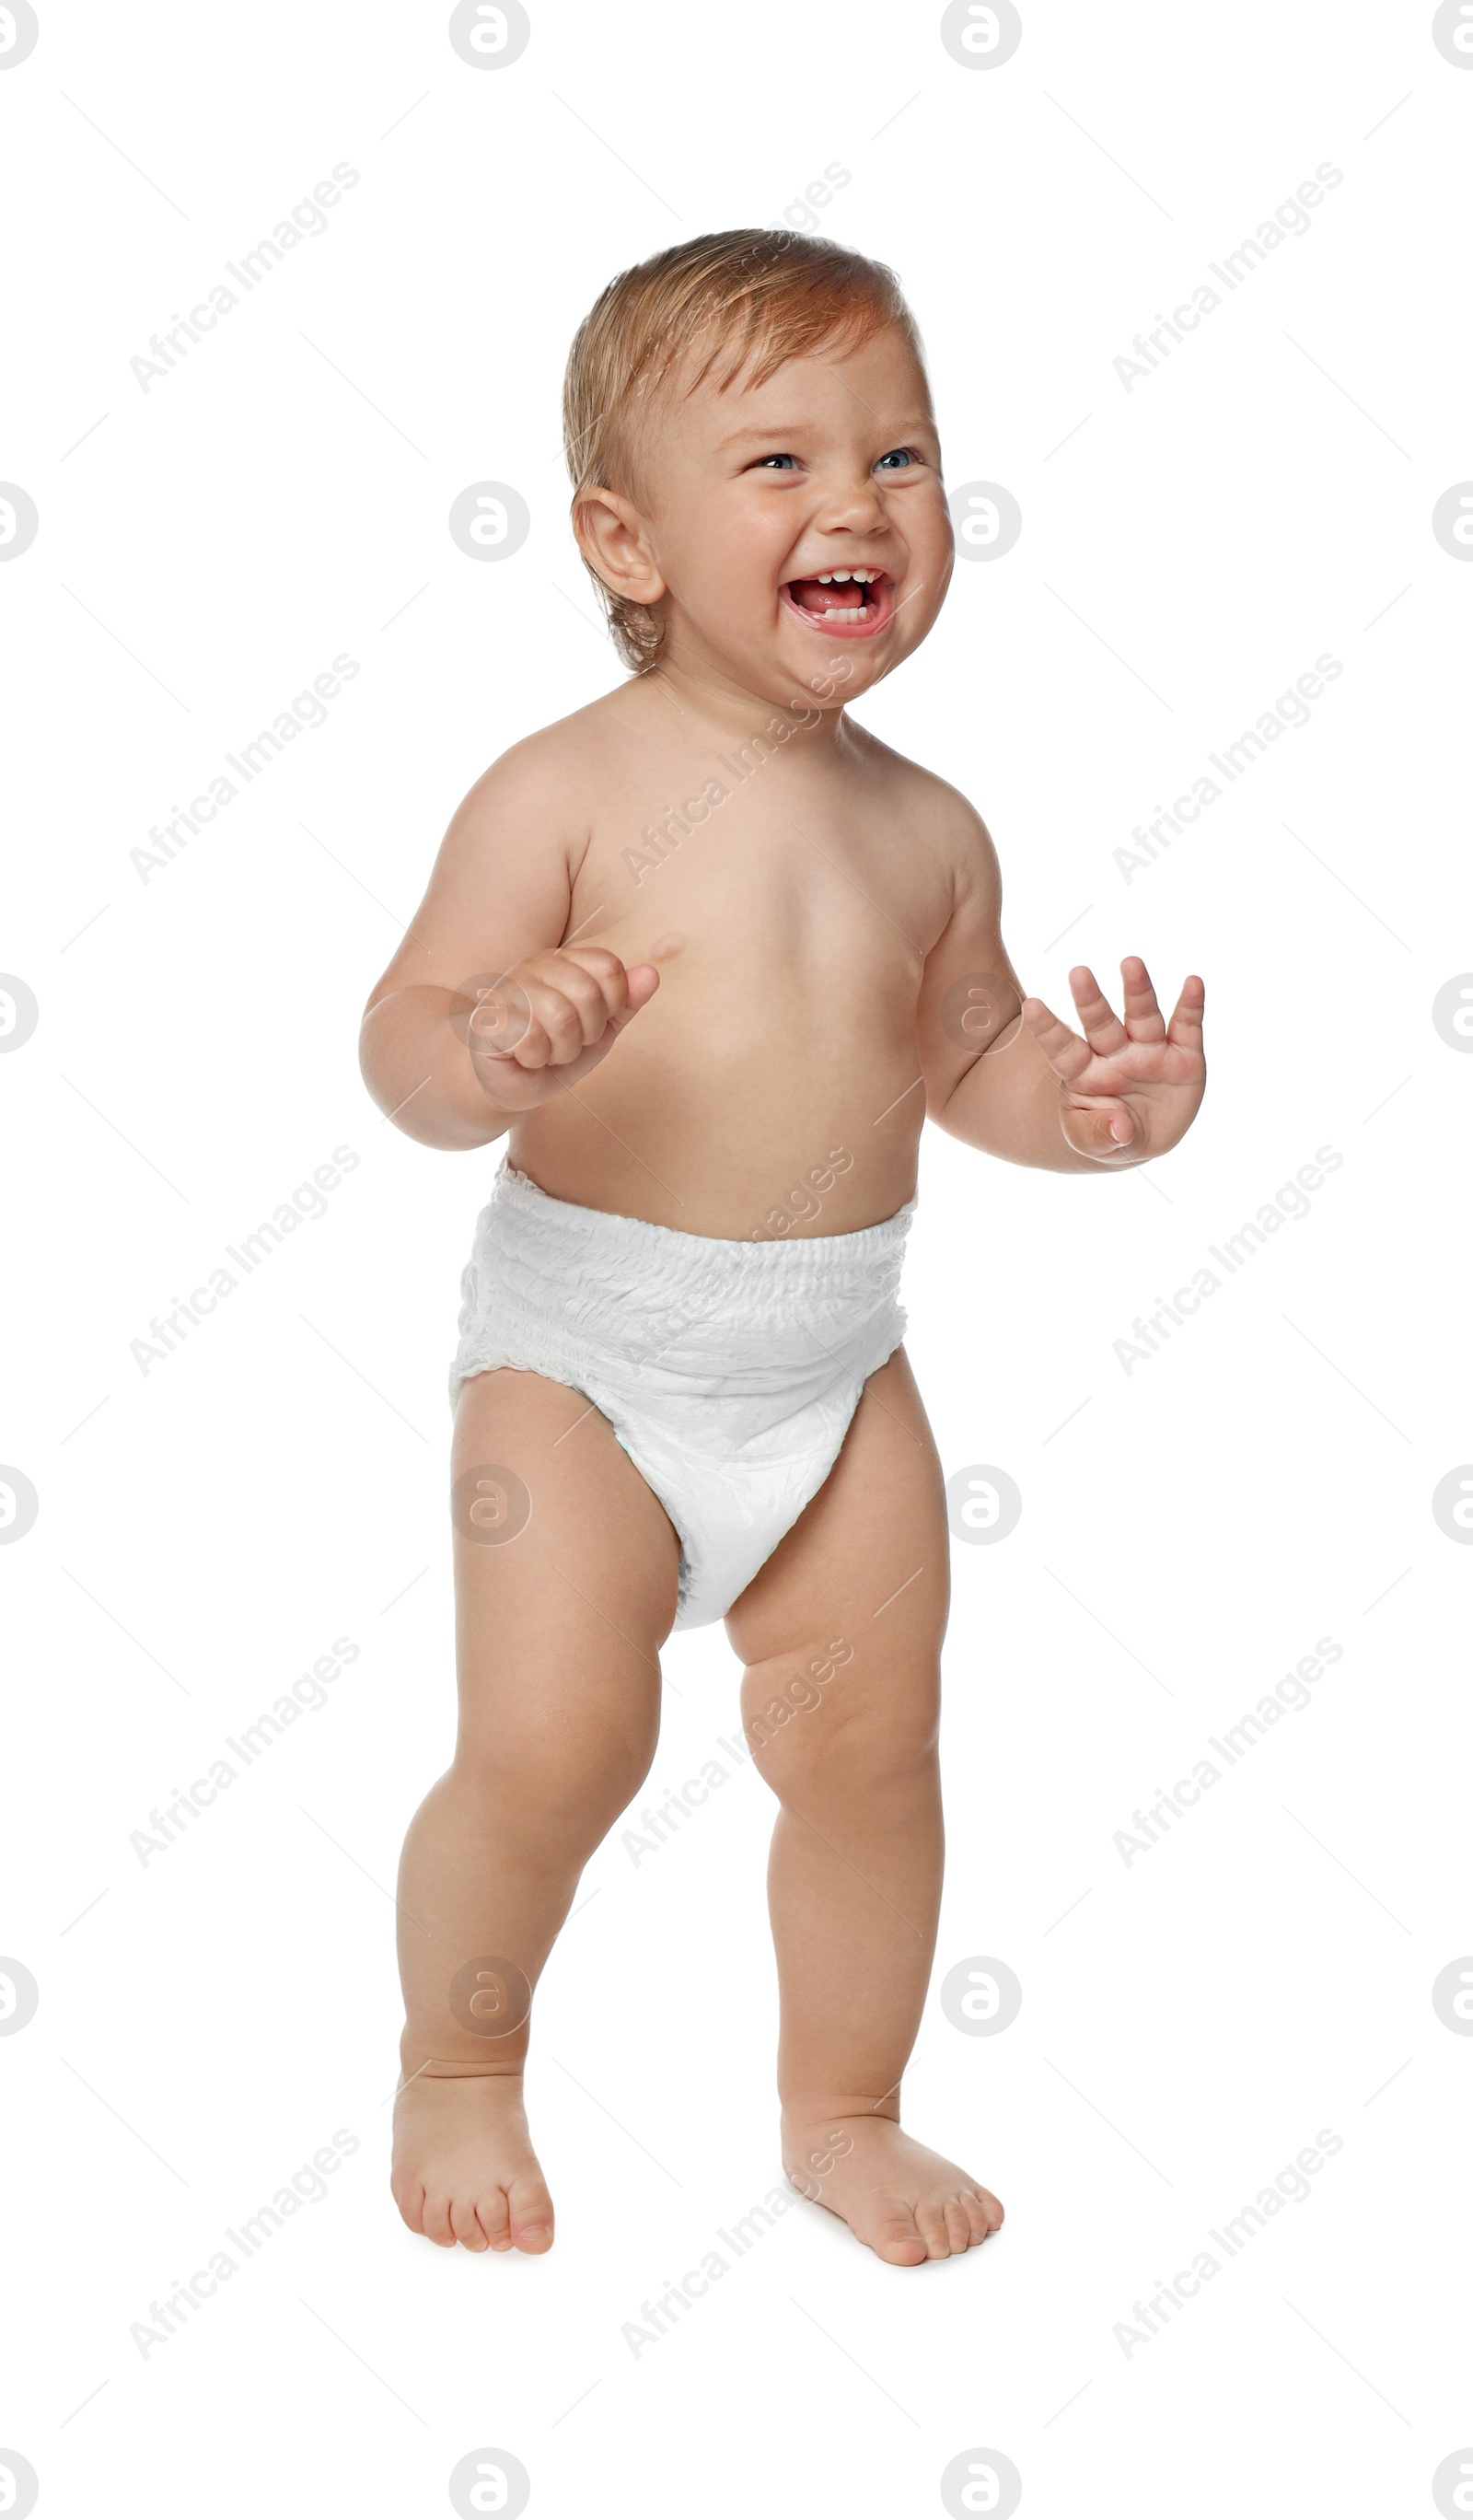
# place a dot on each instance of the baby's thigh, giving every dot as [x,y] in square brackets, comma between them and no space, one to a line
[850,1609]
[565,1572]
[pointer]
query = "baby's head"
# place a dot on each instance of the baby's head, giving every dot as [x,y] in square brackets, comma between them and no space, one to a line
[756,474]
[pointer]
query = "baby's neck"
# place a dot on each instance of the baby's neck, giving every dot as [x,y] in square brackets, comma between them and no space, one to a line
[715,706]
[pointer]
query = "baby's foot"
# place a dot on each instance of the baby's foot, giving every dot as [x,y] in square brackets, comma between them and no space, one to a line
[905,2202]
[463,2166]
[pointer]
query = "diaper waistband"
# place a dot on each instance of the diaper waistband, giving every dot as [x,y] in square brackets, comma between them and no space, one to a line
[805,1260]
[616,1300]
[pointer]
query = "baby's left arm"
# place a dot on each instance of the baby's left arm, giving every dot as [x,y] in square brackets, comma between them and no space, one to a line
[1004,1074]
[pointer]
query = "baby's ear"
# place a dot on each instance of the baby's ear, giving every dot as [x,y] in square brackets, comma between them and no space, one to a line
[612,540]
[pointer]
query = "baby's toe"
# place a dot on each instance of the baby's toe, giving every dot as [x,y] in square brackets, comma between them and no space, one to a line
[930,2222]
[434,2222]
[985,2211]
[531,2215]
[959,2226]
[409,2196]
[893,2235]
[492,2215]
[463,2225]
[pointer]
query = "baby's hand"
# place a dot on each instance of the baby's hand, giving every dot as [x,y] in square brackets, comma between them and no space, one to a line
[1126,1091]
[541,1026]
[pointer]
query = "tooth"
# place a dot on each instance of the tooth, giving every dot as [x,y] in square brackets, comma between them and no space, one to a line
[825,581]
[842,576]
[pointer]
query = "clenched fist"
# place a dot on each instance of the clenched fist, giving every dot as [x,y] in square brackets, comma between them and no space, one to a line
[535,1031]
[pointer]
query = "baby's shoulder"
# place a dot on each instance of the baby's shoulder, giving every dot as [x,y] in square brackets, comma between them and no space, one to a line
[554,764]
[932,806]
[537,799]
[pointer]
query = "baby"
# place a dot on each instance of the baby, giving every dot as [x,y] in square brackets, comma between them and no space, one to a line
[706,954]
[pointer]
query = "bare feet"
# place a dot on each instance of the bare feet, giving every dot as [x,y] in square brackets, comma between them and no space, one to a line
[905,2202]
[464,2166]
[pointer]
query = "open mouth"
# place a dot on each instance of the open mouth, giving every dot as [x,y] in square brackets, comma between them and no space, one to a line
[843,603]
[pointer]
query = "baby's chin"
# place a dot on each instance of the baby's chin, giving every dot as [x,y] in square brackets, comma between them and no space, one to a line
[782,662]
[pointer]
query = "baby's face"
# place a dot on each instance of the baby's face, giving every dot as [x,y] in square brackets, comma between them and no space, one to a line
[800,525]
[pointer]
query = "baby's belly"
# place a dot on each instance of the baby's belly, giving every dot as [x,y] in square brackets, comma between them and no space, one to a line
[774,1104]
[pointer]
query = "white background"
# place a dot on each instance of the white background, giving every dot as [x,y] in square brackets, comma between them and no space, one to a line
[1189,1528]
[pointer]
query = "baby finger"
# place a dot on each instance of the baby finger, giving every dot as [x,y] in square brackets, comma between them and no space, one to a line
[559,1019]
[500,1019]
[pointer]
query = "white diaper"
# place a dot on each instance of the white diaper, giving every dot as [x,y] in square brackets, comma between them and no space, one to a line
[728,1371]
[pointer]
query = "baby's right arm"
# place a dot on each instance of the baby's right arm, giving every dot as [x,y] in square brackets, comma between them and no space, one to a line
[483,1013]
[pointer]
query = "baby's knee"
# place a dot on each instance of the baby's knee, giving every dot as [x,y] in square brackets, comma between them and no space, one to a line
[839,1716]
[545,1780]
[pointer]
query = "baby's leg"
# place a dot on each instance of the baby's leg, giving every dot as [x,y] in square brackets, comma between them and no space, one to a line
[859,1588]
[558,1630]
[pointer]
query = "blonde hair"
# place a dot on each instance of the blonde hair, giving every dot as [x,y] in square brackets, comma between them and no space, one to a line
[758,296]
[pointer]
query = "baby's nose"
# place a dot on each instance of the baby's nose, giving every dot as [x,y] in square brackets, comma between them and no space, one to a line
[851,507]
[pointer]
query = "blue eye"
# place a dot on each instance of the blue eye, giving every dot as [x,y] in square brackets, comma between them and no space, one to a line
[897,456]
[766,459]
